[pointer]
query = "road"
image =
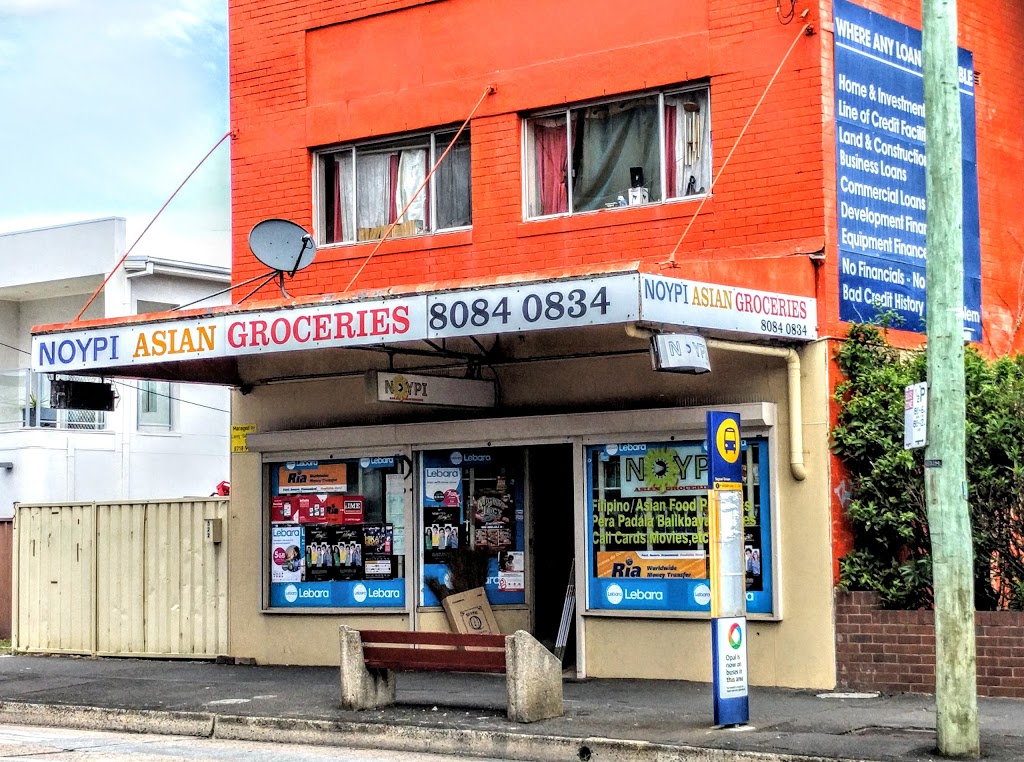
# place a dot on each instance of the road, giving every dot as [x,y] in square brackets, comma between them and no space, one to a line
[18,742]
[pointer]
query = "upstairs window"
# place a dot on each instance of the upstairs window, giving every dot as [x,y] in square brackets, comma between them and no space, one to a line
[626,152]
[364,187]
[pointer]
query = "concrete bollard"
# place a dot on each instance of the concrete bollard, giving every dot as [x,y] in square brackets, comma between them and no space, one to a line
[533,680]
[362,688]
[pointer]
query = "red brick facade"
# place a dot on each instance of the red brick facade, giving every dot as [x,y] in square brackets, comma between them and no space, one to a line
[307,74]
[894,651]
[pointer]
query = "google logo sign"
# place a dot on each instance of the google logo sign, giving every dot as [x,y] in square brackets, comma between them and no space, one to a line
[735,635]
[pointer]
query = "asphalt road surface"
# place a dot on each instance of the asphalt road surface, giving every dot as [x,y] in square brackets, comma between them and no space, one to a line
[18,742]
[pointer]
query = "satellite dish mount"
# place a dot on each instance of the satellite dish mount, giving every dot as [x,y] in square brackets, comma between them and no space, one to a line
[282,246]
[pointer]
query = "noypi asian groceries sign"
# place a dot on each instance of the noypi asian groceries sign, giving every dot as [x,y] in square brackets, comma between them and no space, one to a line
[497,309]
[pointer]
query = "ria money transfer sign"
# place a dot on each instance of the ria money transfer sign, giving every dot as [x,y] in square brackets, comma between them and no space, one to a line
[880,152]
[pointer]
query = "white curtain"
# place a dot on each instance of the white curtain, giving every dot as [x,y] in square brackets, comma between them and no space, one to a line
[692,145]
[345,221]
[373,177]
[412,170]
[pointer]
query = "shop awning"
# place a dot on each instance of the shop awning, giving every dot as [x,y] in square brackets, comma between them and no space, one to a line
[247,344]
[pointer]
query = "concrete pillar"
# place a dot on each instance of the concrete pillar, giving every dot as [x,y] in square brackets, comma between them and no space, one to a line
[534,680]
[362,688]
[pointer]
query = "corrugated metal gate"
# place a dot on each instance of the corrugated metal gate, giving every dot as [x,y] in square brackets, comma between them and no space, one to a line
[125,579]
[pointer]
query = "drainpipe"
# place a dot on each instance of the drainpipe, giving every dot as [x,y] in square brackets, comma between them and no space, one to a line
[792,357]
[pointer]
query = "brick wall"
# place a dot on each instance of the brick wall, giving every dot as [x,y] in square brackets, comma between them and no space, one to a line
[305,74]
[894,651]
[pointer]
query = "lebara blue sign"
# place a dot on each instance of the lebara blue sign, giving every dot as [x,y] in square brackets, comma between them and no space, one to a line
[388,593]
[880,152]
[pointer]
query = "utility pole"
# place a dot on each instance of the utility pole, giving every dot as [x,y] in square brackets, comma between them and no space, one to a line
[945,456]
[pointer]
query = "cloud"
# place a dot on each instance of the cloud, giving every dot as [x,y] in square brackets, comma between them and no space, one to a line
[8,51]
[135,94]
[26,7]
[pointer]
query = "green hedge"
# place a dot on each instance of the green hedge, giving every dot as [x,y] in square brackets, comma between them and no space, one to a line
[887,513]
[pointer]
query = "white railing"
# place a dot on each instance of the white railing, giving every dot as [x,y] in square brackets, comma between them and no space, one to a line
[25,403]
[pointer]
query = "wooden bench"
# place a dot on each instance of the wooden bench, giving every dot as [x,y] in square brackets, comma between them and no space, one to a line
[370,658]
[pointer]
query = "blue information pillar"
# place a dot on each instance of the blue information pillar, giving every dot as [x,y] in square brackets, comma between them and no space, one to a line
[728,573]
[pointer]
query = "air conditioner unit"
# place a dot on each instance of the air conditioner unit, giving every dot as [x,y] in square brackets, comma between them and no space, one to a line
[81,395]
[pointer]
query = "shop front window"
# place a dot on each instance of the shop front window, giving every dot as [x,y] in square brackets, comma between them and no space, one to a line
[648,517]
[337,533]
[473,518]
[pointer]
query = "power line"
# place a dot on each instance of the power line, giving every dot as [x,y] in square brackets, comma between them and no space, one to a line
[136,388]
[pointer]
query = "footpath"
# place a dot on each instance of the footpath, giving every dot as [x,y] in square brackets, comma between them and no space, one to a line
[605,720]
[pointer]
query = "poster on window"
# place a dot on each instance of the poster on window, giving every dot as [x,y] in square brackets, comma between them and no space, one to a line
[378,538]
[286,554]
[394,510]
[511,571]
[650,534]
[441,534]
[752,558]
[333,553]
[658,471]
[649,526]
[442,485]
[311,476]
[349,552]
[494,519]
[673,564]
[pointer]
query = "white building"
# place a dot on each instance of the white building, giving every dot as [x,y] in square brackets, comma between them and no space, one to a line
[163,439]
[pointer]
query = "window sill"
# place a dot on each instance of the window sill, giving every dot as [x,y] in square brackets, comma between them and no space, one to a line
[605,218]
[334,252]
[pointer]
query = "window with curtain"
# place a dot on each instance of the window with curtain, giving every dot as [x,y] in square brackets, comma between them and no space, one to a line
[364,188]
[627,152]
[154,404]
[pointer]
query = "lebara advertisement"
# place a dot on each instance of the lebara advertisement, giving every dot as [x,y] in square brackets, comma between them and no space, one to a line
[322,552]
[880,153]
[473,499]
[649,525]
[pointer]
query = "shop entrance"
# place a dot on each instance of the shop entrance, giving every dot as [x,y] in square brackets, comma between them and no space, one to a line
[551,497]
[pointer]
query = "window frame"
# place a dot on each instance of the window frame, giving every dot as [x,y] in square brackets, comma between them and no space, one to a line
[348,456]
[320,156]
[142,425]
[566,113]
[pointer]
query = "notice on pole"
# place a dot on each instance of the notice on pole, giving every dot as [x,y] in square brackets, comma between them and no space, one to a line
[732,657]
[915,416]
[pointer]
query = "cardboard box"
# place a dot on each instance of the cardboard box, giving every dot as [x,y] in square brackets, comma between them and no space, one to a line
[470,613]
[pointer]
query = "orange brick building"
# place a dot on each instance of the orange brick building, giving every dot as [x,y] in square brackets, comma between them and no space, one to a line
[483,377]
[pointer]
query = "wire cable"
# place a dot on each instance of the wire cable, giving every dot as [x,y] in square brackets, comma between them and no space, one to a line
[672,257]
[130,386]
[155,216]
[487,91]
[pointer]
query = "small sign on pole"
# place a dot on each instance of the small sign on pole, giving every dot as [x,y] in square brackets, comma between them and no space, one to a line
[727,569]
[915,416]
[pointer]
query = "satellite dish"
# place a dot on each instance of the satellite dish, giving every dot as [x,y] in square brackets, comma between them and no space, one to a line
[282,245]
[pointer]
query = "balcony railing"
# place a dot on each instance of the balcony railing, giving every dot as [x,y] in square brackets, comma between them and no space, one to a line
[25,403]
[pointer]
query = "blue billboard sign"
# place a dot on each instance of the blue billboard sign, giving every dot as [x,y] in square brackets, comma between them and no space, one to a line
[880,177]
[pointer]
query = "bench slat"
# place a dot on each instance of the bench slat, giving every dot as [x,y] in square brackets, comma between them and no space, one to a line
[433,638]
[433,659]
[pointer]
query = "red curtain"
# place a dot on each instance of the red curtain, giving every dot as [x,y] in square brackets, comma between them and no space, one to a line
[393,186]
[551,152]
[339,234]
[670,151]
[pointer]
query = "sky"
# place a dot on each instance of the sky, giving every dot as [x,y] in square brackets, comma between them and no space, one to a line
[105,107]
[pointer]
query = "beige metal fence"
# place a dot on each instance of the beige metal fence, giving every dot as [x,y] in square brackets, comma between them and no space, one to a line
[124,578]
